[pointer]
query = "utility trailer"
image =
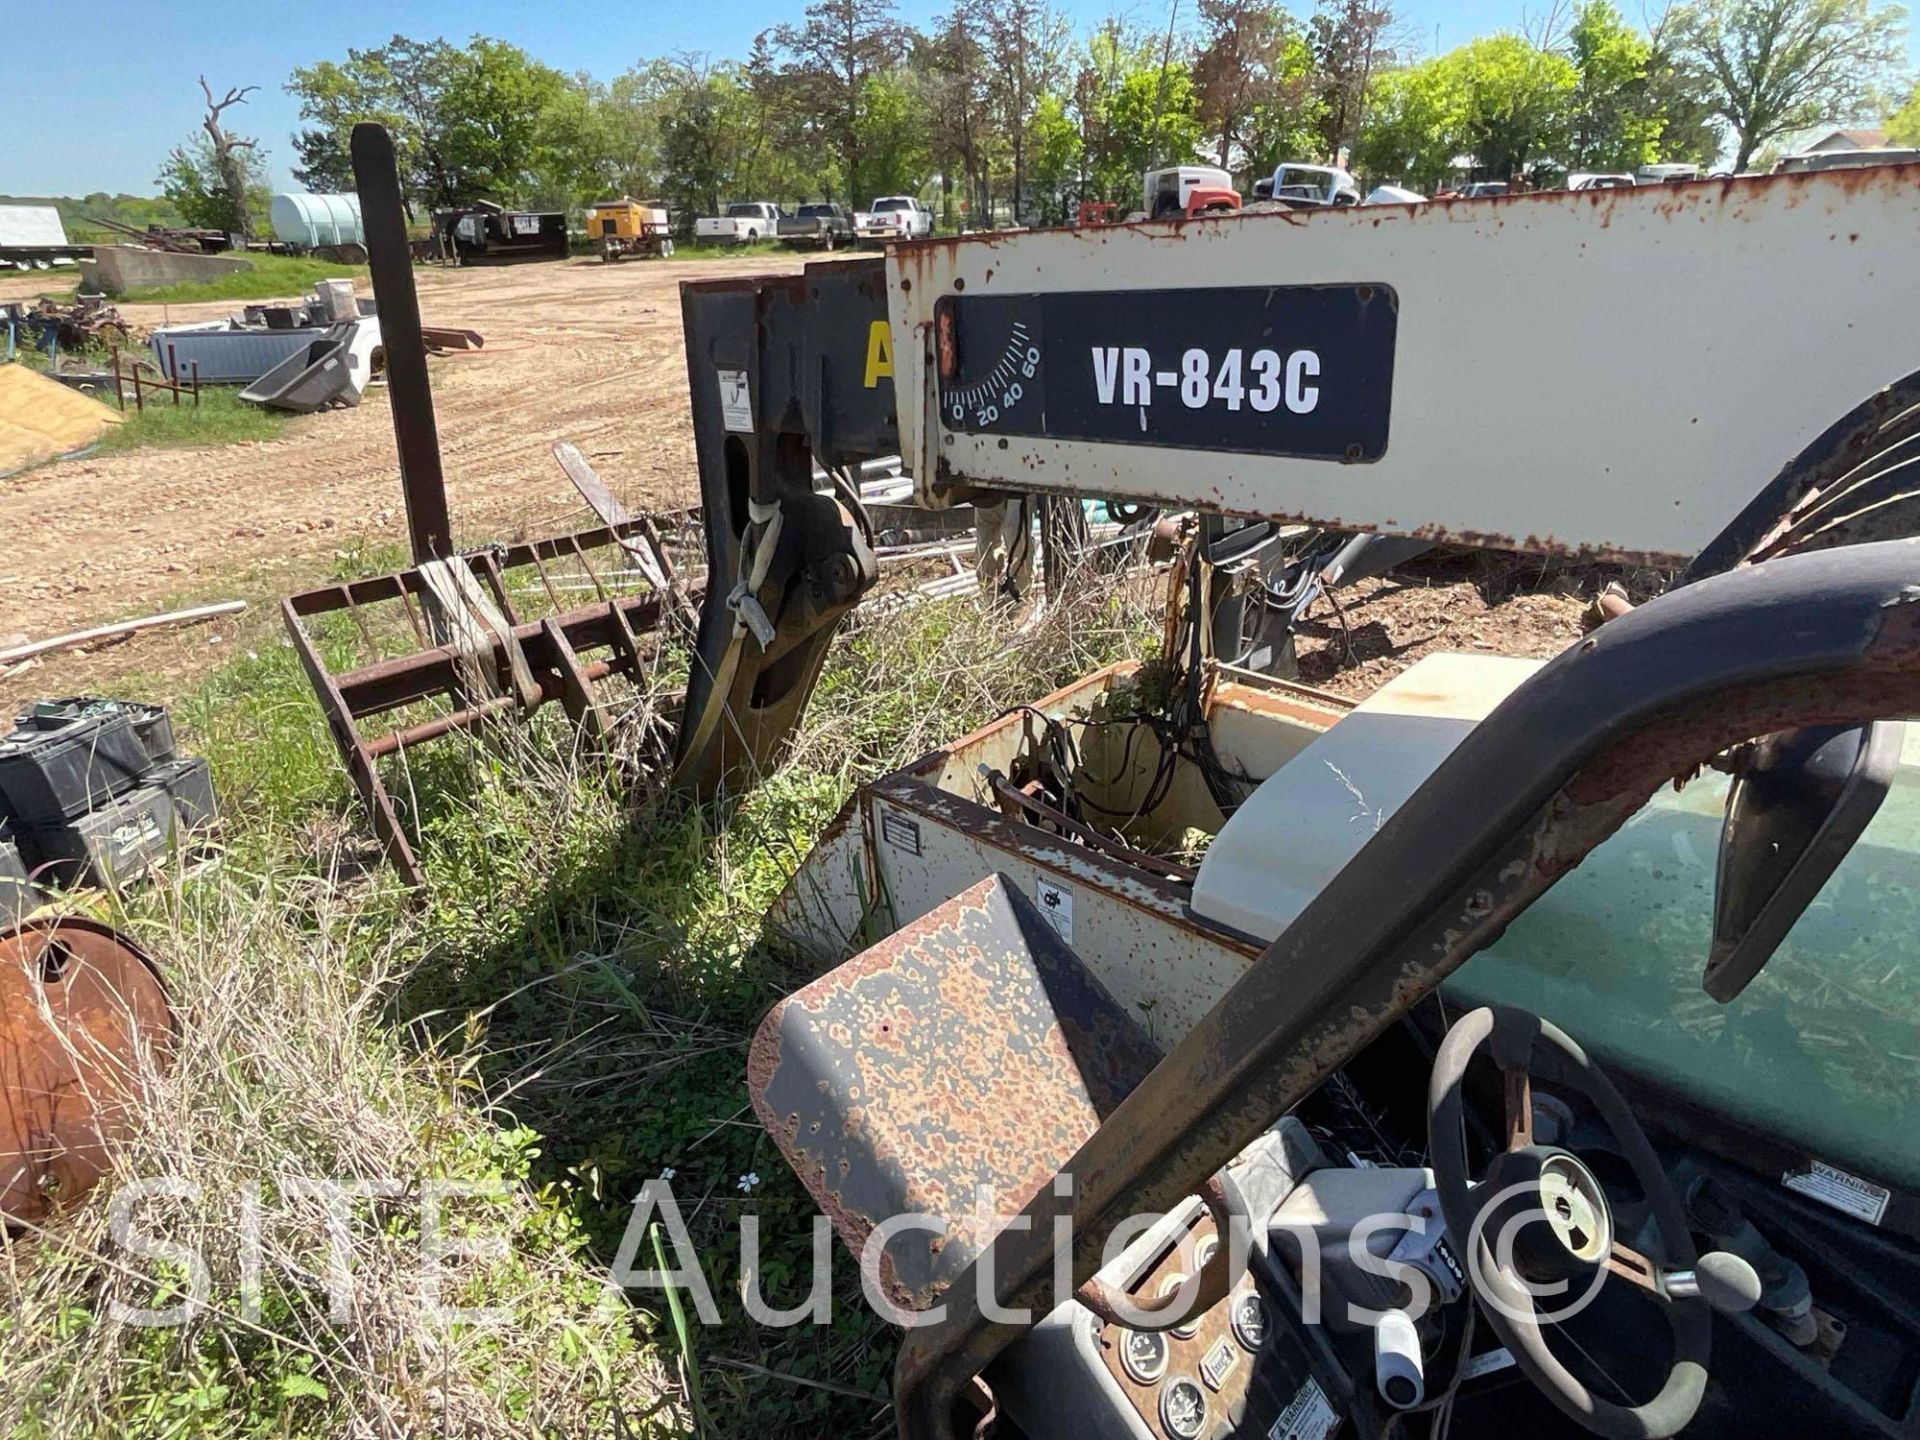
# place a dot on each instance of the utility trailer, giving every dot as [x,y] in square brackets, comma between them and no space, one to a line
[1343,1018]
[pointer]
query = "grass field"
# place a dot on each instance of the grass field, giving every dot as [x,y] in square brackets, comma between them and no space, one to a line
[269,277]
[221,418]
[562,1015]
[695,250]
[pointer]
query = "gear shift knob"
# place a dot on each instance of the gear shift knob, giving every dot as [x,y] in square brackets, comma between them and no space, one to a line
[1725,1281]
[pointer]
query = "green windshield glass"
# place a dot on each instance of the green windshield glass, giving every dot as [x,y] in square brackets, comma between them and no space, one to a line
[1823,1048]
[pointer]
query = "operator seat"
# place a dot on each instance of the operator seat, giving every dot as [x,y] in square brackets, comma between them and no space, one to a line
[1303,824]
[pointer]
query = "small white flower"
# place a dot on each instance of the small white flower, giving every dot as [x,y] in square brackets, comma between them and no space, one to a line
[668,1173]
[748,1181]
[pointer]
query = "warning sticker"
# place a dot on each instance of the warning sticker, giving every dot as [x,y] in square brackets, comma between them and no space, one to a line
[736,403]
[1308,1416]
[900,832]
[1056,903]
[1859,1198]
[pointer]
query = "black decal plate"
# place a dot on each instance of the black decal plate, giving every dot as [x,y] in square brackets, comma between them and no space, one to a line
[1302,370]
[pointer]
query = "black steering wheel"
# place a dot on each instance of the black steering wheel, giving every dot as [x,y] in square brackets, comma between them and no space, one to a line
[1537,1233]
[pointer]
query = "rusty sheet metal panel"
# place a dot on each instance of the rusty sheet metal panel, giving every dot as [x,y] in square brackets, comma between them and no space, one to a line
[1687,342]
[81,1010]
[1131,929]
[970,1049]
[841,898]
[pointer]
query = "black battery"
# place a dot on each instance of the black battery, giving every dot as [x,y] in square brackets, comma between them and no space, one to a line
[190,784]
[110,845]
[50,774]
[151,723]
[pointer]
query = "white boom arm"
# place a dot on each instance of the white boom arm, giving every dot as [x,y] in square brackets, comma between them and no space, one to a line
[1615,372]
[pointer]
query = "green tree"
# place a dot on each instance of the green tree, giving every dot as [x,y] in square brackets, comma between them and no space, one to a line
[1053,164]
[1903,126]
[1416,123]
[1499,100]
[951,64]
[703,126]
[827,60]
[1150,101]
[1613,124]
[893,137]
[198,193]
[572,162]
[321,162]
[1350,47]
[1519,103]
[400,85]
[1775,66]
[490,117]
[1255,81]
[217,180]
[1026,46]
[1679,94]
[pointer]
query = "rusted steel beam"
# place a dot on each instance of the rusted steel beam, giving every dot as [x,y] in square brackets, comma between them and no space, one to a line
[389,684]
[390,259]
[1560,766]
[395,584]
[394,741]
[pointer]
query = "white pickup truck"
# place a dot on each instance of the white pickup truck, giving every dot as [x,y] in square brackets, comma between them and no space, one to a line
[896,217]
[745,221]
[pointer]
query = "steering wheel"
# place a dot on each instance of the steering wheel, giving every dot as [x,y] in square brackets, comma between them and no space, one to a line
[1537,1233]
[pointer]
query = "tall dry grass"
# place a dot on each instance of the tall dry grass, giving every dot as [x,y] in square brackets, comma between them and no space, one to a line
[561,1016]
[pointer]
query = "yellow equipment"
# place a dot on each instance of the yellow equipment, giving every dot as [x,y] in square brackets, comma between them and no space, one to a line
[629,227]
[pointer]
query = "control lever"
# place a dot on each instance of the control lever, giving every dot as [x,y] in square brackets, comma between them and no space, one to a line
[1785,1296]
[1725,1281]
[1139,1312]
[1398,1371]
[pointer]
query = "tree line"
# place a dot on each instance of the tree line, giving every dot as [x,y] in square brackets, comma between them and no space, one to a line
[999,110]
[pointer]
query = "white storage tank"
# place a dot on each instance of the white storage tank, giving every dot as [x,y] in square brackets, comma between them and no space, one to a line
[310,221]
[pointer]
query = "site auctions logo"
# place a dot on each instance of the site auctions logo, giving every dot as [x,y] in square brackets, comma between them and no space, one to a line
[657,1253]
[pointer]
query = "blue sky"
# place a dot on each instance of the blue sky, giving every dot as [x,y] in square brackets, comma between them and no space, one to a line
[119,88]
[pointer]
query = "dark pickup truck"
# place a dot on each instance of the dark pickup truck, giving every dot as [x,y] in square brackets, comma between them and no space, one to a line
[819,226]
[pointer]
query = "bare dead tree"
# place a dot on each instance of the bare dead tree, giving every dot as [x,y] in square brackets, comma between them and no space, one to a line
[1546,32]
[227,148]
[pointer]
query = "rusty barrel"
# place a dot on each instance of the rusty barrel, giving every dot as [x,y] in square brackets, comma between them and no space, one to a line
[83,1017]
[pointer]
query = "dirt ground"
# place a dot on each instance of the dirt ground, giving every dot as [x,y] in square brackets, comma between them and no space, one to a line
[1483,602]
[579,351]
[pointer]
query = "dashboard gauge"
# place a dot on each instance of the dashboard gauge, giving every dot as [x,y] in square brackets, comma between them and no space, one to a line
[1190,1326]
[989,361]
[1203,1253]
[1183,1409]
[1144,1356]
[1249,1317]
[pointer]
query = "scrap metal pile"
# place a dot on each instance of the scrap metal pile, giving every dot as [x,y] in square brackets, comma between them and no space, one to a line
[89,320]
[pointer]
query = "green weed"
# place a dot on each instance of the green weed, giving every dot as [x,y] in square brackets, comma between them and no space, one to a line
[221,418]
